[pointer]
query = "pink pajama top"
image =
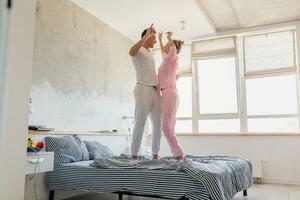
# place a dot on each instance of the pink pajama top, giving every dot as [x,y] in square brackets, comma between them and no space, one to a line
[167,70]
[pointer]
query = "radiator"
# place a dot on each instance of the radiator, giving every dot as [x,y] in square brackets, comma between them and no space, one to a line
[258,170]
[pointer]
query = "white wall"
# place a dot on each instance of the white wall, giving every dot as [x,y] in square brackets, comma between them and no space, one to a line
[280,152]
[83,77]
[16,100]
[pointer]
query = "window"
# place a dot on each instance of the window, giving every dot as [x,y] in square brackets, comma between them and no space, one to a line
[184,112]
[219,125]
[269,51]
[247,82]
[216,74]
[217,85]
[184,89]
[183,126]
[271,82]
[217,89]
[184,59]
[252,91]
[214,46]
[273,125]
[272,95]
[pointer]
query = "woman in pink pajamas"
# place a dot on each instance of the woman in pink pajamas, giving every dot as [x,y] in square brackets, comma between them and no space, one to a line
[169,97]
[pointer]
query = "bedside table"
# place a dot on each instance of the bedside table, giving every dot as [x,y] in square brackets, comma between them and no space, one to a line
[45,162]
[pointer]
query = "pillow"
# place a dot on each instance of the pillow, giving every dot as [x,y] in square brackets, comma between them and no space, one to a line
[67,149]
[97,150]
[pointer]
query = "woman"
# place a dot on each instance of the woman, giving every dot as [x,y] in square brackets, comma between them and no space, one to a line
[169,97]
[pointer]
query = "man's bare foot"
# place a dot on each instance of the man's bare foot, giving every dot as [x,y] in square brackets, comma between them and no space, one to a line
[134,157]
[154,157]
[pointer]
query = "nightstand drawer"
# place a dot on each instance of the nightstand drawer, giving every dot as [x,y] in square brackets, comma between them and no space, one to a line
[43,163]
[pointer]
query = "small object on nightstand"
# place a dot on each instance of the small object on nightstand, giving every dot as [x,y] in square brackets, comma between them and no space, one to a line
[39,128]
[33,146]
[43,158]
[33,149]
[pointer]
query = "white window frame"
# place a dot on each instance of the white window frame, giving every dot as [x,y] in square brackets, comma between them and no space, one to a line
[270,73]
[241,77]
[214,116]
[224,53]
[188,74]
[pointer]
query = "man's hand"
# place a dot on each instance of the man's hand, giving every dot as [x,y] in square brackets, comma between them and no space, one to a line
[149,33]
[136,47]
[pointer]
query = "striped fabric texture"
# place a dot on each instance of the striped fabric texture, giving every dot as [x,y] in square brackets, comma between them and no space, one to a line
[97,150]
[67,149]
[168,184]
[222,176]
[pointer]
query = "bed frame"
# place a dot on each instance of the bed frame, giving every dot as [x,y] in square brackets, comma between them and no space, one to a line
[120,195]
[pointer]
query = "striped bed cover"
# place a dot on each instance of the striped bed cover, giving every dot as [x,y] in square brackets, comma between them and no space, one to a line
[169,184]
[195,178]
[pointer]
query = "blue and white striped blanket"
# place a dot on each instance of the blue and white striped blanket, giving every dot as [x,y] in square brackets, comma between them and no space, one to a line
[222,176]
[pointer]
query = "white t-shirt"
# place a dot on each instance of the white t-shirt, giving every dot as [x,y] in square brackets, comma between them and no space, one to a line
[144,66]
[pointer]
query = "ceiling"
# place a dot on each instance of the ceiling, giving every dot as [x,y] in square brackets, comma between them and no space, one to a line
[201,17]
[131,17]
[234,14]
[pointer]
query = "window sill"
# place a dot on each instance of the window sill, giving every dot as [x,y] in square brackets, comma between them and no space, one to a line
[81,133]
[234,134]
[240,134]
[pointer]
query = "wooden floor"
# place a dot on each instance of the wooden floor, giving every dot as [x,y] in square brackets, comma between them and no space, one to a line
[256,192]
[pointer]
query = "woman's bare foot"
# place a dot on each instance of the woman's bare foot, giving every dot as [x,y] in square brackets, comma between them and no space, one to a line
[154,157]
[134,157]
[178,157]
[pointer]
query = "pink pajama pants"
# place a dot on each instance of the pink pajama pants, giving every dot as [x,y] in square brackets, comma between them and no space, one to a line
[169,104]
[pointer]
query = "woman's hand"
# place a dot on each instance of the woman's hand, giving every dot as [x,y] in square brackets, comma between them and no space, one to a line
[160,42]
[160,35]
[169,35]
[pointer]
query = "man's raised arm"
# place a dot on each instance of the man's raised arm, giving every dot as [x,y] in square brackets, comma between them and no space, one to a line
[136,47]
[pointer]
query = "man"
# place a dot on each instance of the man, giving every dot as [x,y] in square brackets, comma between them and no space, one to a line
[145,93]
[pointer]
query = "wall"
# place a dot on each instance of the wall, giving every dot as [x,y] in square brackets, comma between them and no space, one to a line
[83,77]
[280,152]
[15,108]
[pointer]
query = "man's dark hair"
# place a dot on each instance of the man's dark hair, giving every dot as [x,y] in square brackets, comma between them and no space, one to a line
[144,32]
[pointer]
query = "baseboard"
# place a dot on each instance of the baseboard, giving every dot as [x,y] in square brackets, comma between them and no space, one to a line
[281,181]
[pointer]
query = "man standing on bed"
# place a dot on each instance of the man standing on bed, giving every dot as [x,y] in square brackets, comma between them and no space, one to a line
[146,94]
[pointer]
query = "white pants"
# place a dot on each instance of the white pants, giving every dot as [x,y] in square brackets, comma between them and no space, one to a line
[146,102]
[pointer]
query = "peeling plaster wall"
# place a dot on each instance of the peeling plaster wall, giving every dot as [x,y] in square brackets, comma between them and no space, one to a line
[83,77]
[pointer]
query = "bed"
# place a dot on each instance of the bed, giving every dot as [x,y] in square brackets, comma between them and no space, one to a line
[194,178]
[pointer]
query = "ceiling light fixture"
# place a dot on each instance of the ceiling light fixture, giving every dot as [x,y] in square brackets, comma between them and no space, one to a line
[182,22]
